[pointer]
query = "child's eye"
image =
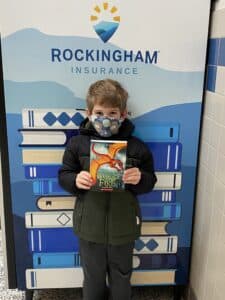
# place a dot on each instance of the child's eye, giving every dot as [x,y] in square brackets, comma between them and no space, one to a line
[98,113]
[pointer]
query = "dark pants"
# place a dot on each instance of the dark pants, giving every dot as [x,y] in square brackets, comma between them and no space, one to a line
[99,260]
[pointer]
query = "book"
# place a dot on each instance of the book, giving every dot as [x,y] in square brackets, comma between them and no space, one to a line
[48,278]
[167,156]
[156,244]
[52,240]
[39,156]
[48,203]
[158,196]
[60,218]
[107,164]
[157,132]
[52,118]
[56,260]
[168,181]
[154,261]
[73,277]
[153,228]
[41,171]
[165,180]
[72,259]
[46,137]
[64,219]
[160,211]
[151,277]
[50,219]
[48,187]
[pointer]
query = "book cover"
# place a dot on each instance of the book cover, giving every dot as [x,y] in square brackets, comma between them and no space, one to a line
[160,211]
[41,171]
[52,118]
[156,244]
[46,137]
[48,219]
[168,181]
[158,196]
[167,156]
[42,156]
[73,277]
[155,261]
[154,228]
[157,132]
[162,277]
[107,164]
[48,203]
[47,278]
[48,187]
[52,240]
[42,260]
[56,260]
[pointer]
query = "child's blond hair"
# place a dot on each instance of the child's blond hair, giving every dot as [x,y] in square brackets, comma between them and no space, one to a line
[107,92]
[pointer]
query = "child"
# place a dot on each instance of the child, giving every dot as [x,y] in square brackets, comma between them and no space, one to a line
[107,223]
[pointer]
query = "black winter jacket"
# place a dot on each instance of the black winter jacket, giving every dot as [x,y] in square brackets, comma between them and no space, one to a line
[106,217]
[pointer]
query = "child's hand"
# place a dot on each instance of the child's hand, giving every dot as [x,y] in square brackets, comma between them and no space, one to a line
[84,180]
[132,176]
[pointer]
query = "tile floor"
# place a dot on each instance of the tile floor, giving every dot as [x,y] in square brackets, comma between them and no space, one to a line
[139,293]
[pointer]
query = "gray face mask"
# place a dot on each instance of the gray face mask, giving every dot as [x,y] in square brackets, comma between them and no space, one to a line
[106,126]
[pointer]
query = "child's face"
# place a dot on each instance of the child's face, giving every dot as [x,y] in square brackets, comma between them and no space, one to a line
[105,111]
[106,120]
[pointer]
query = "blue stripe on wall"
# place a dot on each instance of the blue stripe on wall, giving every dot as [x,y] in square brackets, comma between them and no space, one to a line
[211,78]
[221,58]
[213,52]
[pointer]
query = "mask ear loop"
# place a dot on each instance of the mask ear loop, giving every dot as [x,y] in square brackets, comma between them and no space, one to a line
[124,115]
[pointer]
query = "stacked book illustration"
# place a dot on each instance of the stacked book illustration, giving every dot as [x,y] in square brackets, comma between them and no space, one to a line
[155,251]
[52,243]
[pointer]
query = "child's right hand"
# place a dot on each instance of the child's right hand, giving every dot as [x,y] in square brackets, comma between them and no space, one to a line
[84,180]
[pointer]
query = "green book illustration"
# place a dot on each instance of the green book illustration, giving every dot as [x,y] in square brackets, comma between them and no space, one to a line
[107,164]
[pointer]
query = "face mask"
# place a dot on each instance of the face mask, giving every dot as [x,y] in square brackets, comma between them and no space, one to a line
[106,126]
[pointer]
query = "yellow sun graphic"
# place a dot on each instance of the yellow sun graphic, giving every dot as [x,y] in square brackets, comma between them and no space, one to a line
[98,10]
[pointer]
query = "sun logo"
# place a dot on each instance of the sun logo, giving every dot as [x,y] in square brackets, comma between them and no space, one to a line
[106,20]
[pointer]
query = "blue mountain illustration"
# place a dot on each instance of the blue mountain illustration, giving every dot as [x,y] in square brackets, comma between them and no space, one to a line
[106,29]
[45,94]
[32,62]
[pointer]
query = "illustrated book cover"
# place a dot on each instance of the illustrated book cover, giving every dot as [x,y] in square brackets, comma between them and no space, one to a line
[107,164]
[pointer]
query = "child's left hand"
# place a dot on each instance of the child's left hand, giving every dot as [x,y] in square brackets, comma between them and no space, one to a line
[132,176]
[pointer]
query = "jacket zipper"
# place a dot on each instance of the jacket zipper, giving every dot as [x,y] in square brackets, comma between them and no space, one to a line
[107,219]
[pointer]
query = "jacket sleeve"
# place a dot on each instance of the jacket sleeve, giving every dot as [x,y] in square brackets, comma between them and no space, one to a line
[146,167]
[69,169]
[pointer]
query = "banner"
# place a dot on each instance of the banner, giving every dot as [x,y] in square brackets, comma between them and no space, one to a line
[51,52]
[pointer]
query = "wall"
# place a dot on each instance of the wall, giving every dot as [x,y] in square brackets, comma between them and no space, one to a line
[0,185]
[209,240]
[208,259]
